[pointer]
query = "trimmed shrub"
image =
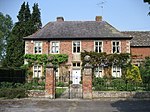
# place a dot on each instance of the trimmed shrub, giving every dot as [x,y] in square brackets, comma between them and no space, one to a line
[60,84]
[13,93]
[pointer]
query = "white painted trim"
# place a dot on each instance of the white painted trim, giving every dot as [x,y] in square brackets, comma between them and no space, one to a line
[26,47]
[80,46]
[51,47]
[98,41]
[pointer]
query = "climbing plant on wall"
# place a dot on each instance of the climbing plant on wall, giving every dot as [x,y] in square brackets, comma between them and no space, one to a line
[42,59]
[107,60]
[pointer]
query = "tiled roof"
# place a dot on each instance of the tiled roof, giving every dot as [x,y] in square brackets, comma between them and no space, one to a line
[140,38]
[77,29]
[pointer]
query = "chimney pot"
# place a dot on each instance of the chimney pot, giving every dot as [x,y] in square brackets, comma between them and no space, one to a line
[60,19]
[98,18]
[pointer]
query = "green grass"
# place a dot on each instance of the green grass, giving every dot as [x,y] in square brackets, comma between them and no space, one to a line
[59,92]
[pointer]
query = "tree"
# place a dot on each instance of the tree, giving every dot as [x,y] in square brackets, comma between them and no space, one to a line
[133,74]
[145,70]
[36,18]
[27,24]
[147,1]
[5,29]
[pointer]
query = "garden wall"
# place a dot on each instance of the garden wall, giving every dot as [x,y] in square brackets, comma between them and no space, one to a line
[120,94]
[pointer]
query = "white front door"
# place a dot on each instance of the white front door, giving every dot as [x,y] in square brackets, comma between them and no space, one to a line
[76,76]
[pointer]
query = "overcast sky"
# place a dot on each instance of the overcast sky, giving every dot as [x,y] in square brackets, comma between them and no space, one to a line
[125,15]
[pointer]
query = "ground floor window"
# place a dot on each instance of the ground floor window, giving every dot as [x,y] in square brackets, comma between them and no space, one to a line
[37,71]
[76,64]
[116,71]
[98,71]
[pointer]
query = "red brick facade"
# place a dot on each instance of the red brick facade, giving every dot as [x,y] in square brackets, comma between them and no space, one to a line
[87,45]
[65,47]
[139,54]
[140,51]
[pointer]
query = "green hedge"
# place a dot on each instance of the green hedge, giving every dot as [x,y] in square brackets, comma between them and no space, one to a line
[101,84]
[13,93]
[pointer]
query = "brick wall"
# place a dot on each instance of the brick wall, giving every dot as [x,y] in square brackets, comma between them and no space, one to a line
[140,51]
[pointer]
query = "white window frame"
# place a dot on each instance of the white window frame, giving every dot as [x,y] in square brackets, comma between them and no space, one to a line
[99,72]
[38,70]
[116,46]
[26,47]
[98,46]
[38,47]
[57,75]
[51,46]
[76,64]
[116,71]
[76,47]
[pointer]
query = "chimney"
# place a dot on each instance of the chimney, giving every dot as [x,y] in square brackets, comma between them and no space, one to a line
[60,19]
[98,18]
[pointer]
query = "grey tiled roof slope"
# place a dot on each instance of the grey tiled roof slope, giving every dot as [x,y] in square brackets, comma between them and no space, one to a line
[140,38]
[77,29]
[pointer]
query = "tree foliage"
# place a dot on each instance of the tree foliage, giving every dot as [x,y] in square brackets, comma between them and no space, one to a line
[133,74]
[24,27]
[145,70]
[148,1]
[5,29]
[36,18]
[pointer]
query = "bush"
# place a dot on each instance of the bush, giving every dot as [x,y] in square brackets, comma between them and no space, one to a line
[118,84]
[99,84]
[60,84]
[13,93]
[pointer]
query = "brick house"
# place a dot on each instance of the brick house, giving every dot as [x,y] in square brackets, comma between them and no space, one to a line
[73,37]
[140,45]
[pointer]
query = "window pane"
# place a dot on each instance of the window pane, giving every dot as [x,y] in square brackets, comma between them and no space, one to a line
[78,49]
[57,49]
[74,64]
[100,43]
[74,49]
[78,64]
[96,43]
[114,49]
[100,49]
[118,49]
[114,44]
[96,49]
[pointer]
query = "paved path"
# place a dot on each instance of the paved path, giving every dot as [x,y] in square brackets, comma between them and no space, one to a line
[47,105]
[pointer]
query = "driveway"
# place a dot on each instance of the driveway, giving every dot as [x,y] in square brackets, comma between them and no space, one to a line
[69,105]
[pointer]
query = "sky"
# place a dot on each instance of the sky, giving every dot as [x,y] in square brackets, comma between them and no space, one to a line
[124,15]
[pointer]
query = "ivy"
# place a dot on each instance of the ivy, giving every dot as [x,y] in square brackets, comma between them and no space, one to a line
[43,58]
[97,59]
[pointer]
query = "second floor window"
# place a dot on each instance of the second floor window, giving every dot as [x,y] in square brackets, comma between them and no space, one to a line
[55,47]
[37,47]
[76,47]
[115,47]
[98,47]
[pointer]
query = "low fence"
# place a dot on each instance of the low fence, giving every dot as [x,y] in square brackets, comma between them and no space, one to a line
[12,75]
